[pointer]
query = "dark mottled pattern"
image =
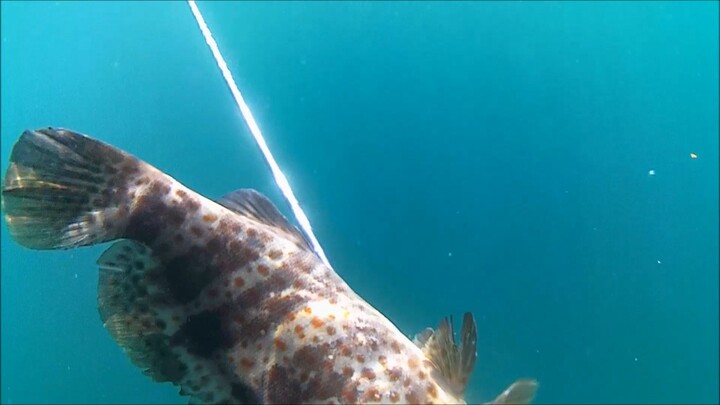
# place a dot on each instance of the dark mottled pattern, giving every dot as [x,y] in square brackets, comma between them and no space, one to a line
[226,301]
[152,217]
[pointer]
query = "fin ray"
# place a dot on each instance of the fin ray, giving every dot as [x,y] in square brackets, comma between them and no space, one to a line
[254,205]
[454,362]
[60,190]
[520,392]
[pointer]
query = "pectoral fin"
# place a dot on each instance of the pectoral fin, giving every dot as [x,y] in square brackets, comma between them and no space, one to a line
[454,362]
[520,392]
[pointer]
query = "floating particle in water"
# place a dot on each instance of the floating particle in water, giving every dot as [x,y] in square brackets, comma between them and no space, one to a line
[659,262]
[692,155]
[449,254]
[651,172]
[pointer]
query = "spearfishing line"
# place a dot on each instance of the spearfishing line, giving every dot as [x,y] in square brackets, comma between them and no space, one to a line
[280,178]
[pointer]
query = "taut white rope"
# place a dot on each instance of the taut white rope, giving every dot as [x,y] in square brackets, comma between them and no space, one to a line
[280,178]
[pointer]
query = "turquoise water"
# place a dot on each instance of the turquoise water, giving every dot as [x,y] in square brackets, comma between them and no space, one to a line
[490,157]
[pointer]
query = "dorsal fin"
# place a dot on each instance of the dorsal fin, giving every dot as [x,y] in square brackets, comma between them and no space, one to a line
[454,363]
[250,203]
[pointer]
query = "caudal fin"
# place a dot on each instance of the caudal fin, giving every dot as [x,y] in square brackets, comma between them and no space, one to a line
[63,189]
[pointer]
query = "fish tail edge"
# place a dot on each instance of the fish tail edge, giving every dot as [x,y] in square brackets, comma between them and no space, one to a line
[63,189]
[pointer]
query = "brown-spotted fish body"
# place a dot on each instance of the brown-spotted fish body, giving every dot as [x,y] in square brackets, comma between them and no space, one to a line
[225,299]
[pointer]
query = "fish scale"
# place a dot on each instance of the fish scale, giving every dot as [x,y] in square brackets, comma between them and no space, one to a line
[225,299]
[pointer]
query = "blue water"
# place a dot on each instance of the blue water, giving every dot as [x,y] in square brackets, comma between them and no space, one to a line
[490,157]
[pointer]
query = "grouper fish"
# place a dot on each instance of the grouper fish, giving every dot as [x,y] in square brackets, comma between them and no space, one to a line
[225,299]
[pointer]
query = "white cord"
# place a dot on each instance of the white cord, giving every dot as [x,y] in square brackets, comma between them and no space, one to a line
[280,178]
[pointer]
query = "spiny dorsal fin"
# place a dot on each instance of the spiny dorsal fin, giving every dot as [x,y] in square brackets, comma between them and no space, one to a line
[520,392]
[252,204]
[455,363]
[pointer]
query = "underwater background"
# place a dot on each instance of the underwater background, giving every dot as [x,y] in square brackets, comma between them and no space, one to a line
[492,157]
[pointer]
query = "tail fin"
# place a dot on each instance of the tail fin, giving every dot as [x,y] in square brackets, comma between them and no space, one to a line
[64,190]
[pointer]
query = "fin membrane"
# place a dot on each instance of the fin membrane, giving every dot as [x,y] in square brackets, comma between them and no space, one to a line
[62,188]
[520,392]
[140,313]
[454,362]
[252,204]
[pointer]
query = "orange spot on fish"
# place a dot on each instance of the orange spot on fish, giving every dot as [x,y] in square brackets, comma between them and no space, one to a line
[209,218]
[280,344]
[413,362]
[263,269]
[317,322]
[330,330]
[196,230]
[247,363]
[348,372]
[274,254]
[368,373]
[308,310]
[299,331]
[372,394]
[238,282]
[432,390]
[395,374]
[394,397]
[360,358]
